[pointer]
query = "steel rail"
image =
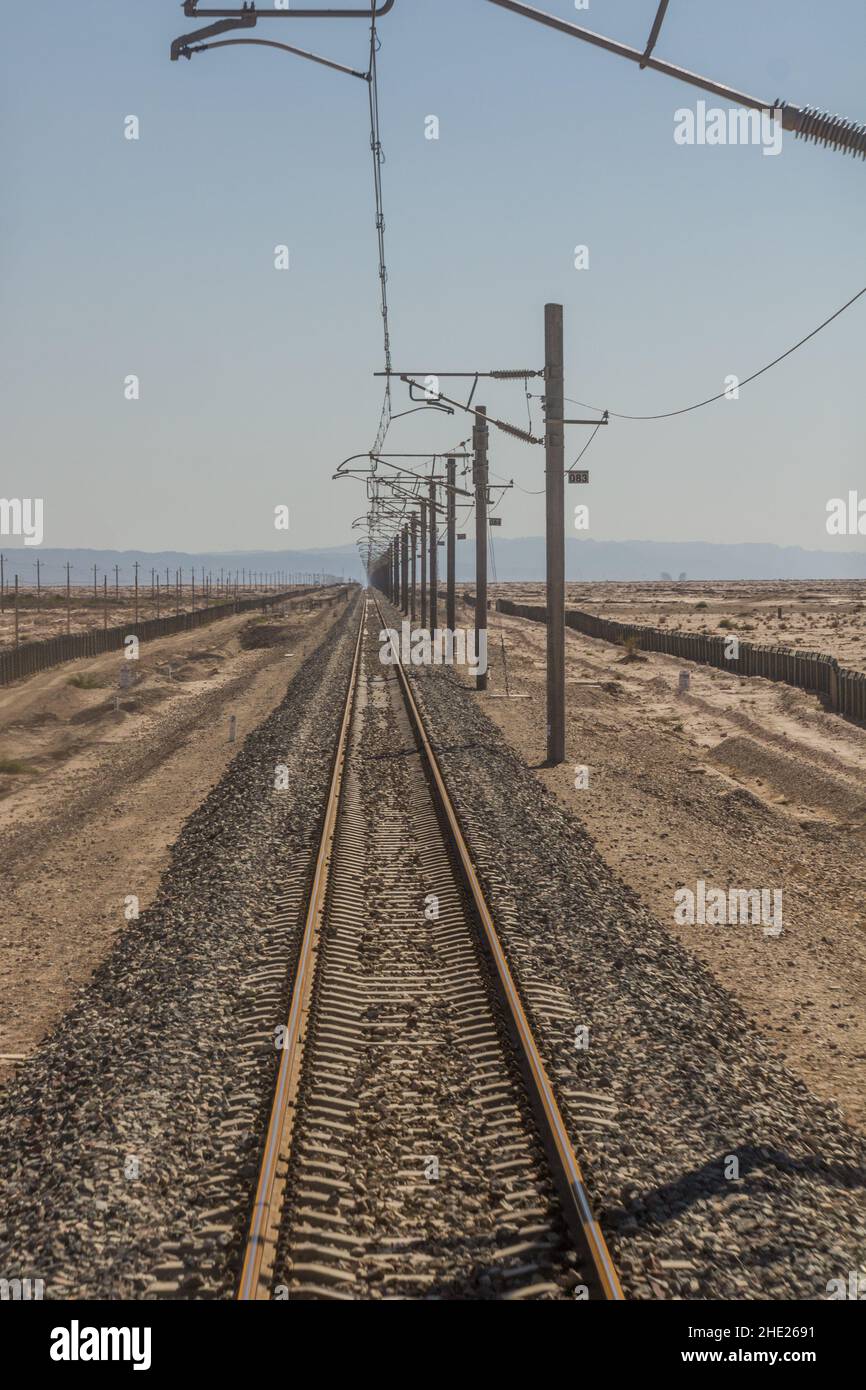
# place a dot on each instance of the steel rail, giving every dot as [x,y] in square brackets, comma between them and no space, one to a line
[264,1223]
[546,1106]
[266,1217]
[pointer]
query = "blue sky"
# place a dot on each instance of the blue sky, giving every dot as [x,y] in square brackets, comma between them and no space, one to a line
[155,257]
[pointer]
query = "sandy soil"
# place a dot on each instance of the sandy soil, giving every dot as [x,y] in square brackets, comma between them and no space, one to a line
[823,615]
[92,818]
[741,783]
[47,618]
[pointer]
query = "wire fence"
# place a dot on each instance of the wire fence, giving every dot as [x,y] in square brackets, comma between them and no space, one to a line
[843,688]
[30,657]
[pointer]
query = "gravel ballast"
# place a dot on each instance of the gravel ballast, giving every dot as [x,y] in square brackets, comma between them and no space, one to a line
[676,1088]
[129,1141]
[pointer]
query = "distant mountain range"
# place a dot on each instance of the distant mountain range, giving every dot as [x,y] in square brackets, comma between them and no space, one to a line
[298,563]
[521,558]
[588,559]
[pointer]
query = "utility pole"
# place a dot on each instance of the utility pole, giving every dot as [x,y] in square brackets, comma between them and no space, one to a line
[451,504]
[105,602]
[117,583]
[95,594]
[554,449]
[479,442]
[434,558]
[404,570]
[136,592]
[424,564]
[16,610]
[414,542]
[2,583]
[38,585]
[68,601]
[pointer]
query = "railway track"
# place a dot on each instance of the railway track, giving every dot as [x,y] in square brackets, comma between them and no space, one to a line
[415,1148]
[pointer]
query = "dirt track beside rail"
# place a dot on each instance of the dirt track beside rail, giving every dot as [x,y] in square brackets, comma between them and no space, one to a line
[93,817]
[714,1172]
[741,783]
[129,1140]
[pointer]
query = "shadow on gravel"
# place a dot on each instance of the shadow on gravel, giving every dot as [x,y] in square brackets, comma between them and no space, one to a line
[660,1204]
[504,755]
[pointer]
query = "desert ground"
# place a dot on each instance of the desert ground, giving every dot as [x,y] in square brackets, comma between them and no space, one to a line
[111,792]
[44,615]
[742,783]
[822,615]
[92,796]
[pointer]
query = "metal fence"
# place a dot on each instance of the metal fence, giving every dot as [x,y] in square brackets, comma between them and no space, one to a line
[843,688]
[31,657]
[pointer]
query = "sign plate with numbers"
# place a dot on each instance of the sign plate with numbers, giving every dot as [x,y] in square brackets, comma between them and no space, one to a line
[578,475]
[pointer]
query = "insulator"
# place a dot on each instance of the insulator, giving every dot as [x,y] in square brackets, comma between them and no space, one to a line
[518,433]
[822,128]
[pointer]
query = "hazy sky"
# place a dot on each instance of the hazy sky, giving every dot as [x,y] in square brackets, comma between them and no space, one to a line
[156,257]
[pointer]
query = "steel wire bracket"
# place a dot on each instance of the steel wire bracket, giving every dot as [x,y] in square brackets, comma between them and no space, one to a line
[247,18]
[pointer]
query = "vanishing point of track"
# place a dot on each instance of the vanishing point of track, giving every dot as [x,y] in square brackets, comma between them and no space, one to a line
[415,1148]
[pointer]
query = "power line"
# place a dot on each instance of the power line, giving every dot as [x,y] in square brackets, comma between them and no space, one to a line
[537,491]
[378,161]
[667,415]
[587,444]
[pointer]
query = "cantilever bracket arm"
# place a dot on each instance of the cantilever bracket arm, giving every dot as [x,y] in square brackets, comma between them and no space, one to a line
[431,405]
[806,122]
[192,11]
[286,48]
[344,472]
[180,46]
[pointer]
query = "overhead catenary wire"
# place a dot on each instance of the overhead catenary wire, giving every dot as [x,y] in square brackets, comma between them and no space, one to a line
[228,20]
[669,414]
[378,161]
